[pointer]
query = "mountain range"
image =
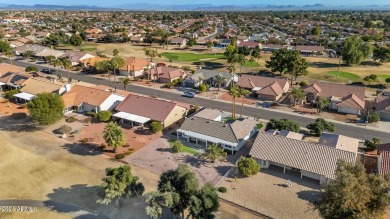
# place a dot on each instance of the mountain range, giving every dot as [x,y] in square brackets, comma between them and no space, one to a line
[194,7]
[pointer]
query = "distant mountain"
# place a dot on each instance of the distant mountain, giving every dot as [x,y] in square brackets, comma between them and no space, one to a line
[50,7]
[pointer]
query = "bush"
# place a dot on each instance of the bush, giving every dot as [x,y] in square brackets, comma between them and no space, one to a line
[70,119]
[31,68]
[91,114]
[5,101]
[84,140]
[222,189]
[169,85]
[176,146]
[63,129]
[9,94]
[120,156]
[248,166]
[156,127]
[104,116]
[303,83]
[87,120]
[126,145]
[130,151]
[202,88]
[373,117]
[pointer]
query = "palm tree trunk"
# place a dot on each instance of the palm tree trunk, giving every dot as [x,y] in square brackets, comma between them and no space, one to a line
[10,60]
[67,70]
[257,63]
[114,80]
[234,108]
[109,79]
[242,106]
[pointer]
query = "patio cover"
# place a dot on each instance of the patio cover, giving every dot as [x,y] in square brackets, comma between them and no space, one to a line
[24,96]
[1,83]
[132,117]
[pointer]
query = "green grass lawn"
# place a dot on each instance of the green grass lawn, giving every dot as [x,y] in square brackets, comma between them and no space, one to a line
[383,77]
[190,57]
[345,75]
[251,64]
[186,149]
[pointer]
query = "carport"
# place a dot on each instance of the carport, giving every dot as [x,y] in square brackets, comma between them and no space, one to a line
[131,119]
[23,97]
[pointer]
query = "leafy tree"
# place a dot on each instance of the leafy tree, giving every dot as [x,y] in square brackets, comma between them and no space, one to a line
[319,126]
[63,129]
[234,93]
[4,46]
[372,145]
[241,60]
[387,80]
[282,124]
[120,183]
[125,82]
[113,136]
[31,68]
[256,54]
[243,93]
[177,146]
[192,42]
[316,30]
[9,54]
[115,52]
[104,116]
[219,80]
[209,44]
[46,108]
[152,53]
[354,194]
[182,184]
[248,166]
[156,127]
[28,54]
[76,40]
[214,152]
[278,61]
[66,64]
[322,102]
[156,202]
[204,202]
[49,59]
[382,54]
[244,50]
[371,78]
[9,94]
[297,94]
[202,88]
[355,50]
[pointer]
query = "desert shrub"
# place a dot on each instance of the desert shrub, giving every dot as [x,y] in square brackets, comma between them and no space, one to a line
[104,116]
[5,101]
[120,156]
[222,189]
[126,145]
[130,151]
[202,88]
[169,85]
[87,120]
[177,146]
[71,119]
[303,83]
[373,118]
[84,140]
[91,114]
[63,129]
[31,68]
[248,166]
[11,93]
[156,127]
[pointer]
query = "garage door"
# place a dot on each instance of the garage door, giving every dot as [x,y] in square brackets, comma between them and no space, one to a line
[348,110]
[189,84]
[385,116]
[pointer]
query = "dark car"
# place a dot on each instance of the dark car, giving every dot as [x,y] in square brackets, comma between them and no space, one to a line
[48,71]
[190,94]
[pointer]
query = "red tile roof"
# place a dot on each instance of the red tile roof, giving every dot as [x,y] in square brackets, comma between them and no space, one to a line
[326,89]
[252,81]
[352,101]
[384,150]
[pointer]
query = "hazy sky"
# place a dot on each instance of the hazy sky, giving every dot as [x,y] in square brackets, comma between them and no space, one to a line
[214,2]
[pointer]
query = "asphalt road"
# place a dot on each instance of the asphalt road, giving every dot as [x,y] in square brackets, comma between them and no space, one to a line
[350,130]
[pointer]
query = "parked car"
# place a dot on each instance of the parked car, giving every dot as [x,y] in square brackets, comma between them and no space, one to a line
[190,94]
[48,71]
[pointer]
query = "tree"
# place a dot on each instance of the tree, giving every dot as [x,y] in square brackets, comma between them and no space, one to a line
[373,117]
[282,124]
[49,59]
[204,202]
[125,82]
[115,52]
[105,66]
[27,54]
[66,64]
[115,63]
[354,194]
[322,102]
[176,146]
[319,126]
[248,166]
[387,80]
[182,184]
[114,136]
[316,30]
[234,93]
[297,94]
[156,202]
[192,42]
[46,108]
[219,80]
[31,68]
[241,60]
[214,152]
[371,78]
[152,53]
[120,183]
[156,127]
[76,40]
[381,54]
[202,88]
[278,61]
[372,145]
[355,50]
[243,94]
[104,116]
[256,53]
[9,54]
[244,50]
[209,44]
[4,46]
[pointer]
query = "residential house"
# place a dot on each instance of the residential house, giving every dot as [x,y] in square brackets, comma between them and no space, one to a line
[343,98]
[312,160]
[265,88]
[311,50]
[141,110]
[134,67]
[165,74]
[89,99]
[224,42]
[34,48]
[206,127]
[12,77]
[208,77]
[35,86]
[382,105]
[178,41]
[48,52]
[383,160]
[249,44]
[76,57]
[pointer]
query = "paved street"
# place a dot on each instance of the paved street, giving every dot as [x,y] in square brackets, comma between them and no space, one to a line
[351,130]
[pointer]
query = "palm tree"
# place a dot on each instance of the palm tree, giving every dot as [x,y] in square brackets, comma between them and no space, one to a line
[231,70]
[151,52]
[297,94]
[113,136]
[115,52]
[105,66]
[28,54]
[9,54]
[244,93]
[214,153]
[241,60]
[256,55]
[125,82]
[234,93]
[116,62]
[219,79]
[67,64]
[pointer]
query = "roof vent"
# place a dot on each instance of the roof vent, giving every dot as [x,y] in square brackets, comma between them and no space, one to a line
[224,125]
[208,122]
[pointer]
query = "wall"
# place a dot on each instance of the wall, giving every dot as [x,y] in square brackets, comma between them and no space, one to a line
[176,114]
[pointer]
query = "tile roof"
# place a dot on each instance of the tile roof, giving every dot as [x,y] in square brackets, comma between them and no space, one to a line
[36,86]
[7,68]
[352,101]
[156,109]
[208,74]
[383,101]
[290,134]
[384,150]
[134,64]
[251,81]
[311,157]
[82,94]
[326,89]
[207,113]
[166,72]
[339,141]
[273,90]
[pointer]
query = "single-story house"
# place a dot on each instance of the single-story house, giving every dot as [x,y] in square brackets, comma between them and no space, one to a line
[311,50]
[343,98]
[48,52]
[249,44]
[34,48]
[224,42]
[89,99]
[208,77]
[312,160]
[383,160]
[34,86]
[134,67]
[165,74]
[12,77]
[206,127]
[140,110]
[265,88]
[382,105]
[271,47]
[178,41]
[76,57]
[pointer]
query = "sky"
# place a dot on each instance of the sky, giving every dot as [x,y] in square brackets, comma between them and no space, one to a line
[180,2]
